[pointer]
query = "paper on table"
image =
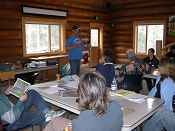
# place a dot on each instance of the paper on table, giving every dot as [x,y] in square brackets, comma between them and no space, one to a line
[53,89]
[72,84]
[131,96]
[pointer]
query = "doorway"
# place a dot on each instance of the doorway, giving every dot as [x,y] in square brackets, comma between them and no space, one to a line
[96,43]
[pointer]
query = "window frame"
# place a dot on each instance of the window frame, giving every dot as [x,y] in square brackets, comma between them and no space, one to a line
[135,34]
[51,21]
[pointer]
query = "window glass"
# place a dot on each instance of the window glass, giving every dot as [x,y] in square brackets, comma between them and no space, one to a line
[94,37]
[43,36]
[36,38]
[147,35]
[55,37]
[155,32]
[141,46]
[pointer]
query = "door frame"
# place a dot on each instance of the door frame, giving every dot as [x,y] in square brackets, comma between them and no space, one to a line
[100,27]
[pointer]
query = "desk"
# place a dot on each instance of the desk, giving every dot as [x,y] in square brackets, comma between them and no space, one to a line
[29,70]
[49,57]
[134,113]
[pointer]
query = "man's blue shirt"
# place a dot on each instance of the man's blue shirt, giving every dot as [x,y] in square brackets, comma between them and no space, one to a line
[74,53]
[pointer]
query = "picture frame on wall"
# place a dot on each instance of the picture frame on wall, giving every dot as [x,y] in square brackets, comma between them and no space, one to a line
[171,26]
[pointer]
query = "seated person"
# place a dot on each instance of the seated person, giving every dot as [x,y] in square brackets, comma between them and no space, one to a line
[164,89]
[133,72]
[151,63]
[18,115]
[135,65]
[98,111]
[107,70]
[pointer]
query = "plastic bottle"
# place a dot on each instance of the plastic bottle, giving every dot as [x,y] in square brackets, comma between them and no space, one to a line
[114,85]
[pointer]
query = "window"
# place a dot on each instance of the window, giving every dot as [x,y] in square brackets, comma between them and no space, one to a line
[146,36]
[43,36]
[94,37]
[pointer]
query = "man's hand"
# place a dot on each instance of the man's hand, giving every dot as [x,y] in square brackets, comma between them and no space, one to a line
[23,97]
[7,91]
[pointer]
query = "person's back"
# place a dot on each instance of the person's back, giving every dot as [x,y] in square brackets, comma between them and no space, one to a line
[107,70]
[98,113]
[110,121]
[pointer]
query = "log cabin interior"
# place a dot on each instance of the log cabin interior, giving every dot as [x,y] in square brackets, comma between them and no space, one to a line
[37,30]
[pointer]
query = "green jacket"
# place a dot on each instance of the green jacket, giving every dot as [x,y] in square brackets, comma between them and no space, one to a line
[6,107]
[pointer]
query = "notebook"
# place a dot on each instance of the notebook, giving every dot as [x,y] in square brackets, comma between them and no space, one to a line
[20,87]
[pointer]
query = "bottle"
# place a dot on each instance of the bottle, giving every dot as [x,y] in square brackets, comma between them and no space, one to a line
[114,85]
[68,127]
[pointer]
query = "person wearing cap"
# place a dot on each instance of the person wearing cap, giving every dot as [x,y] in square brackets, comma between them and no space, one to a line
[135,65]
[75,47]
[133,72]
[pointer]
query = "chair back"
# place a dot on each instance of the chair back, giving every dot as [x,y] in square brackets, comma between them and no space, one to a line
[132,82]
[108,71]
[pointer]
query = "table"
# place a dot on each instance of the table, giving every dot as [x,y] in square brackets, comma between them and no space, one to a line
[49,57]
[136,107]
[151,76]
[29,70]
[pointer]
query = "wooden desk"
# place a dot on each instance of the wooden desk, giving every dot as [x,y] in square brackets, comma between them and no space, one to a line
[134,113]
[29,70]
[49,57]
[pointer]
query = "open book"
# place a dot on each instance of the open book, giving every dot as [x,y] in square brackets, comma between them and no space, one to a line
[20,87]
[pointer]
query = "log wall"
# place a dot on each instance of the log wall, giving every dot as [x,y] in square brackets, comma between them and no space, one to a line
[79,12]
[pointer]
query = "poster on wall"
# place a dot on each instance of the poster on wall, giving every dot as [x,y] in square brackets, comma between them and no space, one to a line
[171,26]
[159,51]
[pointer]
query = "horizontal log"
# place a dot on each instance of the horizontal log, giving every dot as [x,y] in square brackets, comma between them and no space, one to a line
[146,11]
[10,34]
[121,55]
[121,61]
[12,14]
[10,43]
[7,24]
[153,4]
[12,51]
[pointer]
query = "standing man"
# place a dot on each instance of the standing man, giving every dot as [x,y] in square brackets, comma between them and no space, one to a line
[75,47]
